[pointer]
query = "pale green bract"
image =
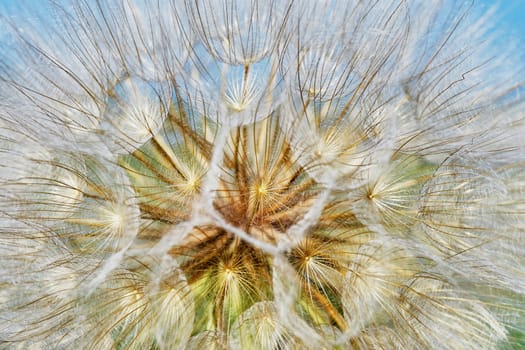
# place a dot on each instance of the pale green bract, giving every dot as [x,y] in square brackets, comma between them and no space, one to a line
[181,174]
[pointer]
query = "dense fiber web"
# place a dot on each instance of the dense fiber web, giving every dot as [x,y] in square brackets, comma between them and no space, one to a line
[180,174]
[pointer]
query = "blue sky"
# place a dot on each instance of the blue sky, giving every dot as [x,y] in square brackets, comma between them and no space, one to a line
[509,18]
[509,23]
[512,12]
[513,15]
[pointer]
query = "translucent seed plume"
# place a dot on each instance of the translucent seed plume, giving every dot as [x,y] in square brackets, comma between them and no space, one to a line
[180,174]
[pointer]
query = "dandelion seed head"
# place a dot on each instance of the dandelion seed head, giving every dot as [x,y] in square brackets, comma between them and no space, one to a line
[259,175]
[135,115]
[237,32]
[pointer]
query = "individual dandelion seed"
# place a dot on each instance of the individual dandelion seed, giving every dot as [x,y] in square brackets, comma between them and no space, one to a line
[259,175]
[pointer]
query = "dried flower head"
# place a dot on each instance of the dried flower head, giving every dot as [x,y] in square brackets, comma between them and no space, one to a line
[181,174]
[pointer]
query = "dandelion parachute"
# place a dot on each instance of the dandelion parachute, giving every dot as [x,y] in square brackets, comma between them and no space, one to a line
[180,174]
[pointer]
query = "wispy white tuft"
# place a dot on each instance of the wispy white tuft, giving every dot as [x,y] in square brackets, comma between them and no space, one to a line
[180,174]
